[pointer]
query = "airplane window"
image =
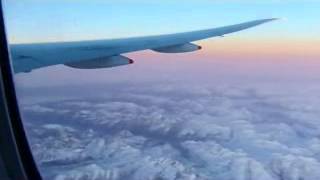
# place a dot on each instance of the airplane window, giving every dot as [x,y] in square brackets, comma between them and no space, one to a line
[199,89]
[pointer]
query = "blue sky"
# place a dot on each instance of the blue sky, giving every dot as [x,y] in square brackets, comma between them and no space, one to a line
[284,49]
[64,20]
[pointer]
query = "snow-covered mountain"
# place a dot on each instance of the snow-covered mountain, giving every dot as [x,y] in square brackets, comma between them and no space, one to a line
[178,132]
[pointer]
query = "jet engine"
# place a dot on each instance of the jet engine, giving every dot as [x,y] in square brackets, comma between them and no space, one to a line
[98,63]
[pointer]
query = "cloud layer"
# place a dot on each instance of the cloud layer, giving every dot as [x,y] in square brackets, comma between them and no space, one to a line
[168,131]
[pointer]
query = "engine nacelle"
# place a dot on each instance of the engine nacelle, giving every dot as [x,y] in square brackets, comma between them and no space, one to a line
[181,48]
[98,63]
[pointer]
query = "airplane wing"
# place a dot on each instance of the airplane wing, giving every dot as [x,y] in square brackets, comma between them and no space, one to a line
[107,53]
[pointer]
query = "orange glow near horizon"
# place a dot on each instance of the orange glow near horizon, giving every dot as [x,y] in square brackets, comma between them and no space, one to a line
[250,48]
[241,50]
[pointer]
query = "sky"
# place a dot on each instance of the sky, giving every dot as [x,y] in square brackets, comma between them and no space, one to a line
[286,49]
[66,20]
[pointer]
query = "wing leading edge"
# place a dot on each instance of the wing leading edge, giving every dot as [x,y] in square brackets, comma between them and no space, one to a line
[27,57]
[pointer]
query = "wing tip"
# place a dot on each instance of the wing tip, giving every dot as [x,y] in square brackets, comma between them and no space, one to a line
[262,21]
[276,19]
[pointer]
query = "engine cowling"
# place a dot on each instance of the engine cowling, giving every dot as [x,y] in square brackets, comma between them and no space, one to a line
[181,48]
[98,63]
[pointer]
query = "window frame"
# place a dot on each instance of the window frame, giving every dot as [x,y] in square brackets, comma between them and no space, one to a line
[15,152]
